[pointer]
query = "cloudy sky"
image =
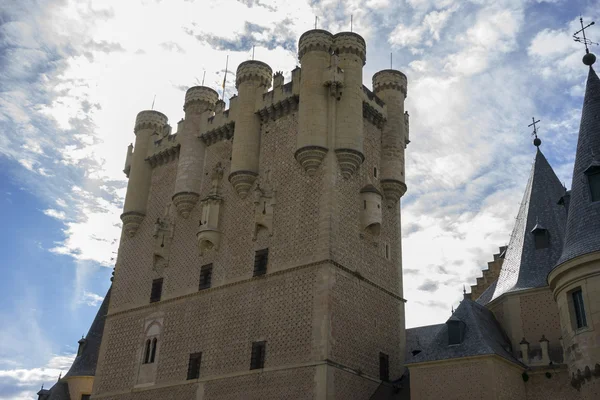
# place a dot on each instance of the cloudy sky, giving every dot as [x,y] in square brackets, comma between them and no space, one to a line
[74,73]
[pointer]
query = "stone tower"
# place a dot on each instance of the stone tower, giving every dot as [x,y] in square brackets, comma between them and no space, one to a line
[261,255]
[575,280]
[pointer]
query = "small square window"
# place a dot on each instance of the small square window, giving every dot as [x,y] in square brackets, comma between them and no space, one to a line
[261,259]
[384,367]
[257,359]
[194,366]
[541,239]
[205,276]
[85,396]
[156,292]
[578,307]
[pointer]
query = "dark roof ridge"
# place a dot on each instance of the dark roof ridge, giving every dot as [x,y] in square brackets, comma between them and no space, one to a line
[582,235]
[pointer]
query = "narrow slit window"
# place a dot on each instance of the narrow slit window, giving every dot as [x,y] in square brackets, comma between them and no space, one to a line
[153,351]
[257,358]
[384,367]
[580,319]
[194,366]
[147,351]
[365,204]
[156,292]
[261,259]
[205,276]
[387,251]
[375,172]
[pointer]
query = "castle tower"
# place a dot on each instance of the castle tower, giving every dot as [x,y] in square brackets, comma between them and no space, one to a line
[199,104]
[390,86]
[147,124]
[352,52]
[295,292]
[252,80]
[575,280]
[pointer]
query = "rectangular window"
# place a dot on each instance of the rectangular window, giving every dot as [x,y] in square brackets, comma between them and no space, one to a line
[261,259]
[580,319]
[594,180]
[156,290]
[384,367]
[85,396]
[541,238]
[194,366]
[257,359]
[205,276]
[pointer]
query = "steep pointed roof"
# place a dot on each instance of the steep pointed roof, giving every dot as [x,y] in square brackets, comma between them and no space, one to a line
[524,266]
[483,335]
[85,363]
[582,235]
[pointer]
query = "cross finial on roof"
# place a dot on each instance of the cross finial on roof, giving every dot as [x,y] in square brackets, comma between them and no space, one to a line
[537,141]
[589,58]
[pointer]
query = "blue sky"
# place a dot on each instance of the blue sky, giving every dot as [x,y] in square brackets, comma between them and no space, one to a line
[73,75]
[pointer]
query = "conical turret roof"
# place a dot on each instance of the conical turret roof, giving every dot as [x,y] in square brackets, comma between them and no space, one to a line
[526,266]
[582,235]
[85,362]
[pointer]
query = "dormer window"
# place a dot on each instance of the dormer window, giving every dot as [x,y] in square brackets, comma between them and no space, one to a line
[81,345]
[456,330]
[541,237]
[593,175]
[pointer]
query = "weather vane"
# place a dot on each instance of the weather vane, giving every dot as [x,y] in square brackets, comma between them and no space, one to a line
[537,141]
[589,58]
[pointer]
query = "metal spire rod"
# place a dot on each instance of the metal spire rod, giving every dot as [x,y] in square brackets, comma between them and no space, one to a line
[351,17]
[253,52]
[153,100]
[225,77]
[391,61]
[203,76]
[583,40]
[534,127]
[316,20]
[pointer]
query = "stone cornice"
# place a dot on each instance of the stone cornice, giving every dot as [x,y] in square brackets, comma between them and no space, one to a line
[223,132]
[164,156]
[278,109]
[373,115]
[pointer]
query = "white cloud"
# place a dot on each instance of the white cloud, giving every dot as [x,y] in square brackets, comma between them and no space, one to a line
[55,214]
[91,299]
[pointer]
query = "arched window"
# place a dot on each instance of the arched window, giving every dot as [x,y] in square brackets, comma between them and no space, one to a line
[153,353]
[147,352]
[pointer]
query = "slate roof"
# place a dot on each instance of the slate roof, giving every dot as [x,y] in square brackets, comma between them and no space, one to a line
[583,223]
[60,391]
[85,364]
[483,335]
[524,266]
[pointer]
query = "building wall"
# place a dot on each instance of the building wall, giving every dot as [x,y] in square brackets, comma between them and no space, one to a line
[327,284]
[557,387]
[464,379]
[530,314]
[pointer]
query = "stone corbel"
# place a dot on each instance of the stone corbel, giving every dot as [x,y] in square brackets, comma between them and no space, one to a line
[264,204]
[163,237]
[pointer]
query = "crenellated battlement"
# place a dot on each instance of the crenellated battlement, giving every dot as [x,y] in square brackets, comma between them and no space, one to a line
[150,119]
[253,70]
[315,40]
[350,43]
[390,79]
[202,95]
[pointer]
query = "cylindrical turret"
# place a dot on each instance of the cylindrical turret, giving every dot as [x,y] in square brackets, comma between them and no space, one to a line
[390,86]
[352,52]
[199,103]
[314,48]
[146,124]
[252,80]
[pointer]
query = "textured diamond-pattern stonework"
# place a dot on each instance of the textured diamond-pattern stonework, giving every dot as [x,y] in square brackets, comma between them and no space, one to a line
[327,283]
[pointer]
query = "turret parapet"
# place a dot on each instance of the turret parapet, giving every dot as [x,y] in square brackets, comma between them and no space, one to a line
[219,106]
[150,119]
[201,95]
[315,40]
[390,79]
[255,71]
[350,42]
